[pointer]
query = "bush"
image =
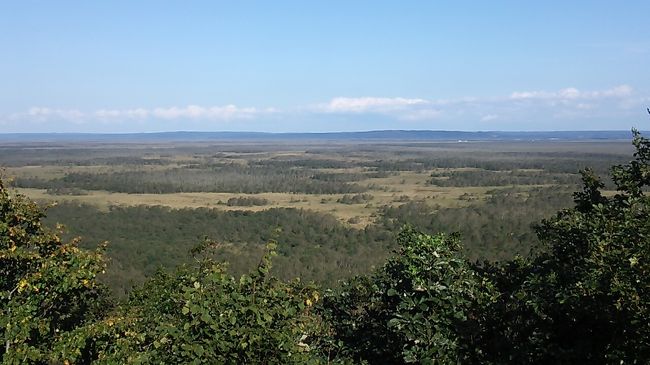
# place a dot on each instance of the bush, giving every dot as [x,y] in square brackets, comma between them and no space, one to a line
[245,201]
[201,315]
[47,287]
[421,306]
[585,297]
[355,199]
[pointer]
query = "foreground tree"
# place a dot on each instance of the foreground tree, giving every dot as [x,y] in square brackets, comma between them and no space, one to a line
[422,306]
[47,287]
[585,298]
[53,310]
[202,315]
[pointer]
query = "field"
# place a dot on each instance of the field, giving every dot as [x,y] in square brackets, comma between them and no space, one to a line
[340,201]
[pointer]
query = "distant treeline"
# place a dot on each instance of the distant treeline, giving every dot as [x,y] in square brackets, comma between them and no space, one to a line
[271,176]
[501,178]
[228,179]
[501,161]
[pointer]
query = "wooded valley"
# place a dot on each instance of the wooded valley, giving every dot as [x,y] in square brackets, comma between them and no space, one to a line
[406,252]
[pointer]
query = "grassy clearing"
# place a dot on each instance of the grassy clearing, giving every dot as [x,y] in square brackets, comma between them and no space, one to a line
[358,215]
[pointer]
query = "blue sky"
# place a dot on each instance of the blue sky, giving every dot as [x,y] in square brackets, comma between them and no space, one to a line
[138,66]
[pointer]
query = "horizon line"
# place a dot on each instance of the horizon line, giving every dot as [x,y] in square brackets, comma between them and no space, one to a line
[334,132]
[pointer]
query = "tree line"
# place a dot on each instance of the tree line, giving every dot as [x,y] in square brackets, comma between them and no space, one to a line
[224,179]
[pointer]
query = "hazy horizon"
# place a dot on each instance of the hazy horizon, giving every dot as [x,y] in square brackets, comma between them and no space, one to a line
[296,67]
[360,131]
[349,131]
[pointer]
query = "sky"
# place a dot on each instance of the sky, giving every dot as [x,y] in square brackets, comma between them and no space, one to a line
[315,66]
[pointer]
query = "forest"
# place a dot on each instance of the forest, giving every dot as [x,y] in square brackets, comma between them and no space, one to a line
[391,253]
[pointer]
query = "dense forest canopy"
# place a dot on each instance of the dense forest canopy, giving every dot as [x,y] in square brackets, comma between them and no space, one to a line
[312,246]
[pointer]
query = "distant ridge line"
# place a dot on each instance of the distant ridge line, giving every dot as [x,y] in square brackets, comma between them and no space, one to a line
[412,135]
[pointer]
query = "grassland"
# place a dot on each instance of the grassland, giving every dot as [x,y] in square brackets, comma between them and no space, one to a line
[405,171]
[361,214]
[389,173]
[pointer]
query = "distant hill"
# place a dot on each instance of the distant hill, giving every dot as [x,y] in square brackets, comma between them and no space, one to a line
[383,135]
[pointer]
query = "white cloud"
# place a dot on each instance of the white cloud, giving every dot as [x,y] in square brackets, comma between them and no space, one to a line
[227,112]
[536,109]
[369,104]
[569,93]
[139,113]
[46,113]
[400,108]
[617,92]
[572,93]
[195,112]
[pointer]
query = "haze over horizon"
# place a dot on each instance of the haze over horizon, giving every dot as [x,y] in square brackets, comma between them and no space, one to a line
[291,66]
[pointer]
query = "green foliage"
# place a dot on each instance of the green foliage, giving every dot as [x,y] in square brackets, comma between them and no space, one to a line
[582,297]
[421,306]
[201,315]
[198,178]
[496,229]
[47,287]
[311,246]
[585,298]
[53,310]
[499,178]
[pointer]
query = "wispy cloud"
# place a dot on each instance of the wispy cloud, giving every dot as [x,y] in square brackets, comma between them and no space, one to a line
[405,109]
[554,104]
[227,112]
[532,109]
[572,93]
[370,104]
[43,114]
[138,113]
[195,112]
[489,117]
